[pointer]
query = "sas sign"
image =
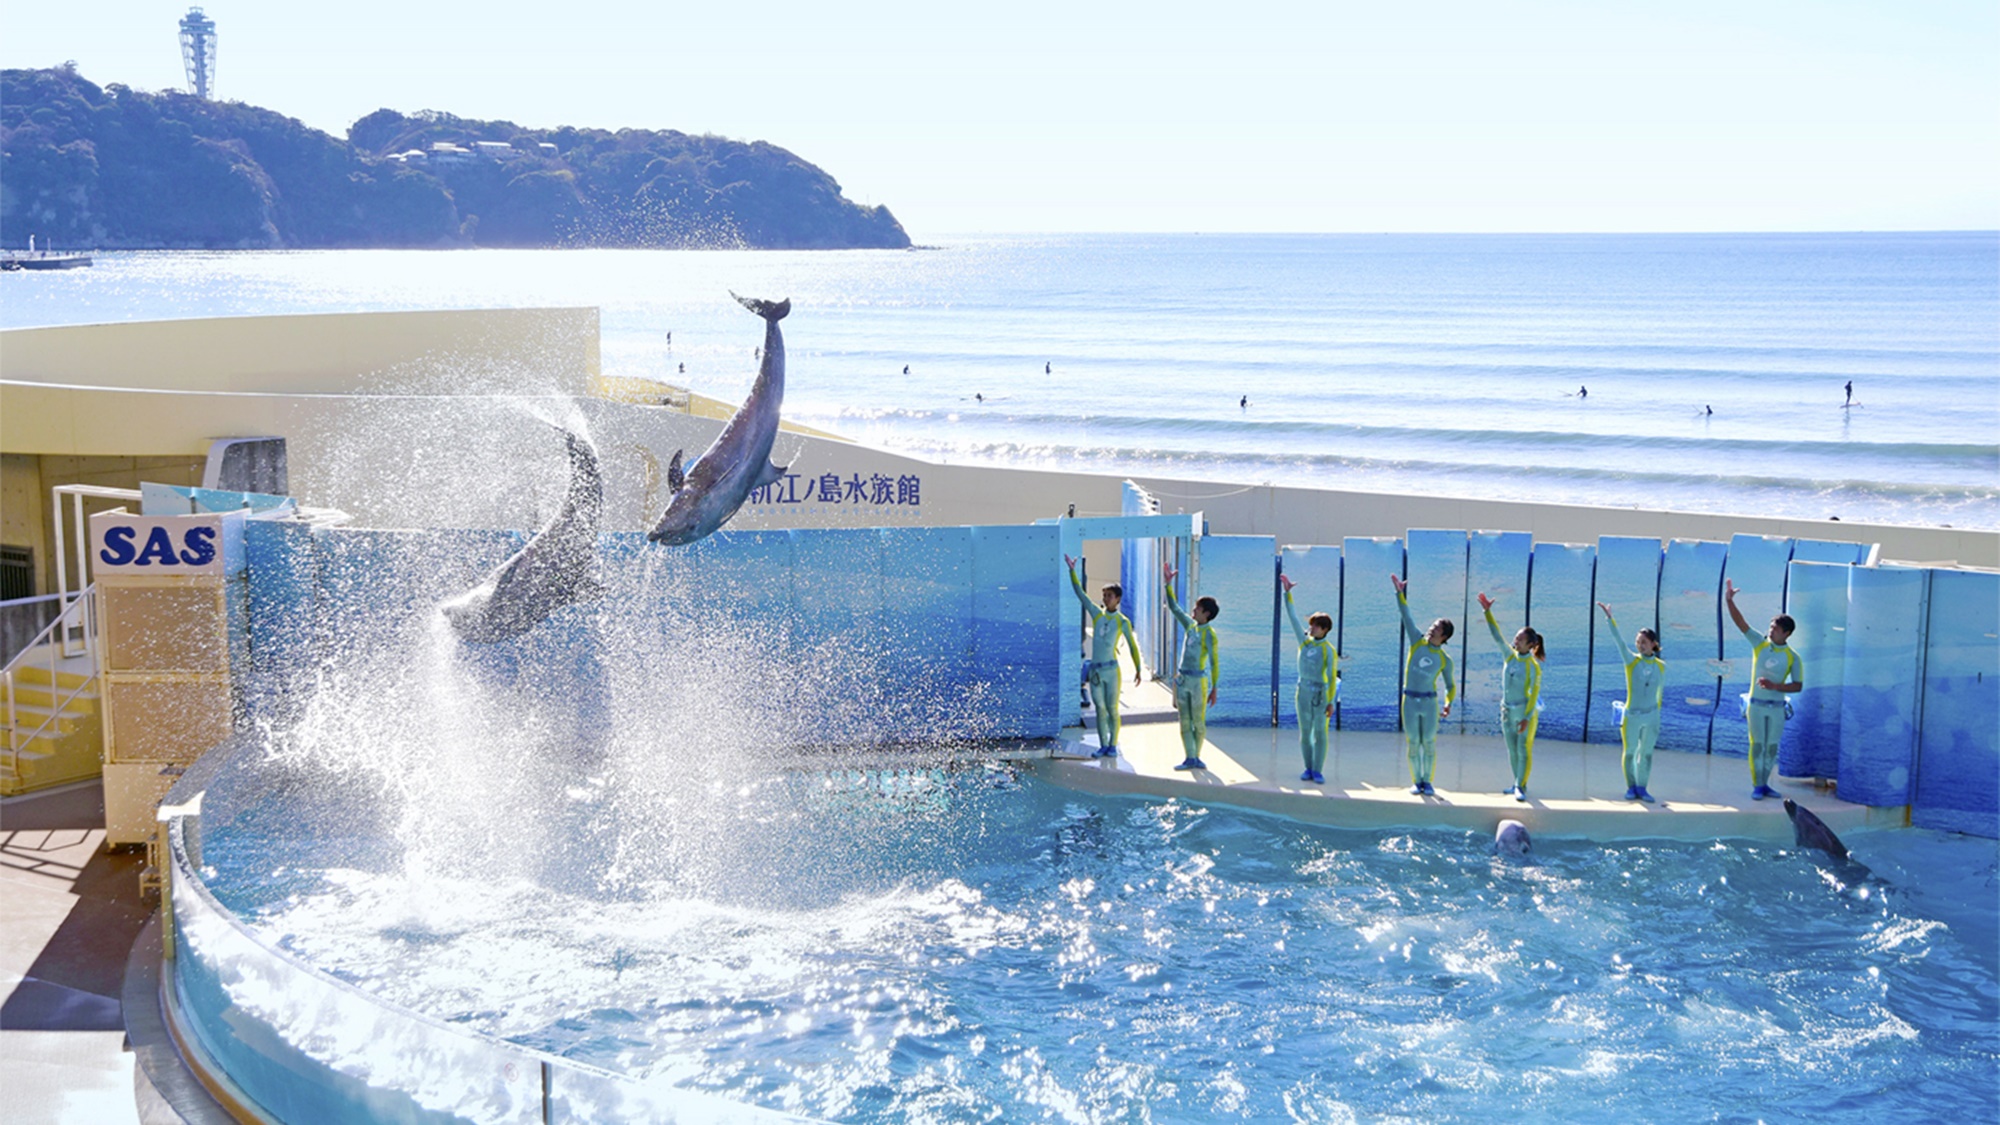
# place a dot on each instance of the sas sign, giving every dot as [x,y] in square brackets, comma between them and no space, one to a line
[126,544]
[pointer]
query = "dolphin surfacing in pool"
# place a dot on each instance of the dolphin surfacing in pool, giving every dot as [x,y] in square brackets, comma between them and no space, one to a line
[1809,831]
[1511,840]
[739,459]
[558,567]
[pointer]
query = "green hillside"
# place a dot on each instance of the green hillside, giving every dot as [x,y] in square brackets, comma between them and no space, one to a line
[116,168]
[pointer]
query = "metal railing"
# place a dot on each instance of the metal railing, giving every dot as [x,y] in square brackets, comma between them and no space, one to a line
[23,619]
[76,624]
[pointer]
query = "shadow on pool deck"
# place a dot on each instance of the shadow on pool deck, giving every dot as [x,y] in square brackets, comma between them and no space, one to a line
[1575,789]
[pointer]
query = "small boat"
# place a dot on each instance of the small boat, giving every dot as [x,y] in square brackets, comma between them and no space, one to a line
[43,258]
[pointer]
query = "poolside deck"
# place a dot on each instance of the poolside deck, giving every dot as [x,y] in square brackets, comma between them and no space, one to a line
[1575,789]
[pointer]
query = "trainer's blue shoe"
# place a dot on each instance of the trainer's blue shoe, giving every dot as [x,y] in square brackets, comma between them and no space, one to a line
[1521,795]
[1319,777]
[1428,791]
[1306,776]
[1631,792]
[1645,796]
[1760,793]
[1190,764]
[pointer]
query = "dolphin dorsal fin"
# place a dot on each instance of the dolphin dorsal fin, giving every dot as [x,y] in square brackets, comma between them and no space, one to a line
[676,479]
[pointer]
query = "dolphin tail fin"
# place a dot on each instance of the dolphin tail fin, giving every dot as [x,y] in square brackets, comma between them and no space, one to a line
[769,474]
[676,477]
[772,311]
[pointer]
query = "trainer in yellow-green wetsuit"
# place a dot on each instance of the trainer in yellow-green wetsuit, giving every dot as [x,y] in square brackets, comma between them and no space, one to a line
[1427,664]
[1107,624]
[1200,670]
[1639,715]
[1521,693]
[1319,678]
[1776,673]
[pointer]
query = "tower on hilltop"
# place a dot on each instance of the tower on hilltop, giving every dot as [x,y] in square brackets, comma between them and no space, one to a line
[198,51]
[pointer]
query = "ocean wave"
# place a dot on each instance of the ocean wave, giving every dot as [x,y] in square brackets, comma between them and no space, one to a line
[1976,455]
[1236,466]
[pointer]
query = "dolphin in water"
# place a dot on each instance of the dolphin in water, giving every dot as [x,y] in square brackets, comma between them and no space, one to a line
[739,460]
[558,567]
[1511,839]
[1809,831]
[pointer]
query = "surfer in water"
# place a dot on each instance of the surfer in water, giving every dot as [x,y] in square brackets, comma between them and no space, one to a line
[1850,393]
[1582,391]
[1048,369]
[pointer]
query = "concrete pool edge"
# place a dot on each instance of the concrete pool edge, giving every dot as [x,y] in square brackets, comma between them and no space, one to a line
[1467,798]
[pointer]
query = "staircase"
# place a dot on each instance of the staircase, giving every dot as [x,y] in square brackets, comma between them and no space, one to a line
[51,731]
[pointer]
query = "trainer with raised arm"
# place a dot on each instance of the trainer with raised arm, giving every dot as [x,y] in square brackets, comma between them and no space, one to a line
[1107,624]
[1776,673]
[1639,714]
[1520,696]
[1200,671]
[1319,678]
[1428,662]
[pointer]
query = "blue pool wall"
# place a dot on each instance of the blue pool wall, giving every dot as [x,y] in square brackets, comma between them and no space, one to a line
[928,616]
[1901,705]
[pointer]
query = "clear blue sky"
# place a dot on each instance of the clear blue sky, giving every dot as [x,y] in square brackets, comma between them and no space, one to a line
[1462,115]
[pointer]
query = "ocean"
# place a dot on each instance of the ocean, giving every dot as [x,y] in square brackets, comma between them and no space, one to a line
[1716,365]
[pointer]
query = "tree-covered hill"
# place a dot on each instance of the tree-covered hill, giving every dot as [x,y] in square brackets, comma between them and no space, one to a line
[114,167]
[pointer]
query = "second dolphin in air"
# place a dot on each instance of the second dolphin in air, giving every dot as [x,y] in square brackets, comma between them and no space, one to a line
[558,567]
[739,459]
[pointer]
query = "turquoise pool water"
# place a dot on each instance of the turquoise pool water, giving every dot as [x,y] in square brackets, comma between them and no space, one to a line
[917,945]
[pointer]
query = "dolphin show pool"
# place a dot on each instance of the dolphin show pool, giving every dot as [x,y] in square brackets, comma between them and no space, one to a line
[972,943]
[792,822]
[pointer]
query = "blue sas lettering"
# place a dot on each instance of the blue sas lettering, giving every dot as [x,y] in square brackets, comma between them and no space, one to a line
[197,548]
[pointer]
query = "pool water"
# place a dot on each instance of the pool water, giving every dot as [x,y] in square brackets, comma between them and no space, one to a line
[977,945]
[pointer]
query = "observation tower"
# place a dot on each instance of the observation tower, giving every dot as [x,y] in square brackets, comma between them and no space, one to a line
[198,51]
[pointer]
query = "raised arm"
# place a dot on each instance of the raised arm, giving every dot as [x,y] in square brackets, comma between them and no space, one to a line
[1617,638]
[1403,604]
[1076,584]
[1292,612]
[1736,615]
[1173,604]
[1493,626]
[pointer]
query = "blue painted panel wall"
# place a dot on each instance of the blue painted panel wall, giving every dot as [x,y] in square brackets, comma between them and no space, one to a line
[284,589]
[1816,597]
[1958,766]
[1828,551]
[836,583]
[1317,571]
[1436,564]
[1878,706]
[1559,595]
[1628,580]
[1017,587]
[1691,640]
[1371,636]
[1497,566]
[927,598]
[1240,573]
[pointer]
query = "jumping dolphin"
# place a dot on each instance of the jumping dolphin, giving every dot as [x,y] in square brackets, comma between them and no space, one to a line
[1511,839]
[740,457]
[557,567]
[1809,831]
